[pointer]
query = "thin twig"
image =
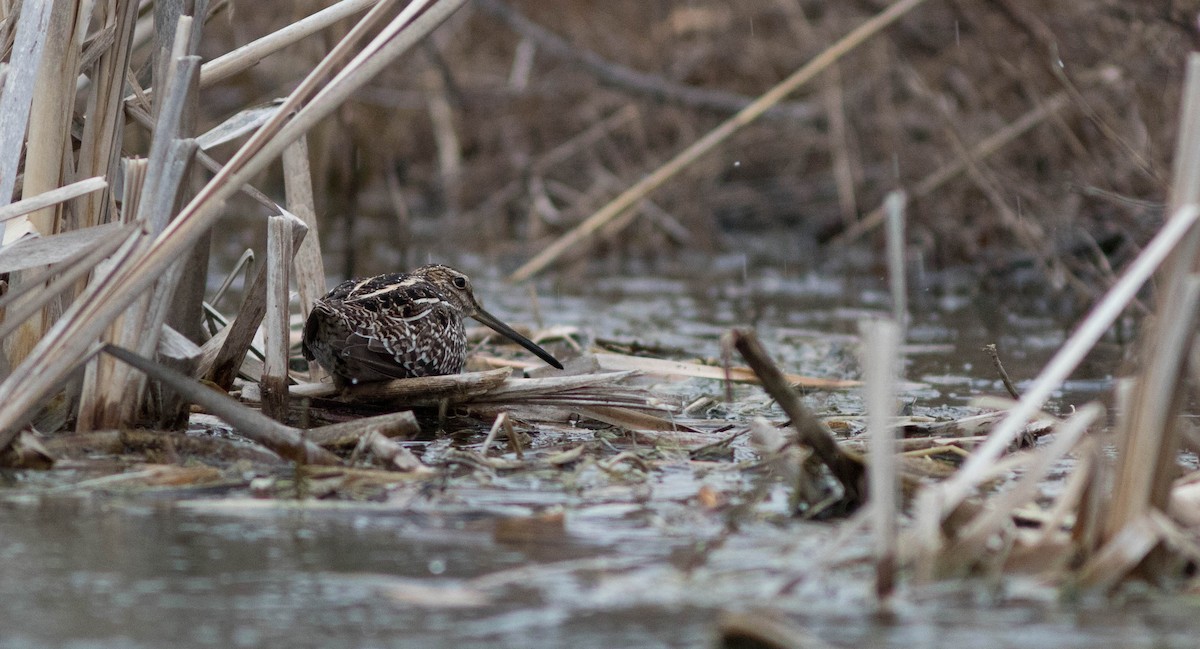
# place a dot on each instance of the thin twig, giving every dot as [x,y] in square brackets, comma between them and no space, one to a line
[990,348]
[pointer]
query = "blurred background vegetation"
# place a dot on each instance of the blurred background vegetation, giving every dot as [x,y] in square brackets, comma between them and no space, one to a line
[520,118]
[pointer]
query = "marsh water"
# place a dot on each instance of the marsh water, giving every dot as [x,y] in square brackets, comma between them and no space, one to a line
[596,561]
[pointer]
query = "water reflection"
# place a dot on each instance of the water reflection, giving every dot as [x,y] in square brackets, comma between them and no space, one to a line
[117,573]
[631,564]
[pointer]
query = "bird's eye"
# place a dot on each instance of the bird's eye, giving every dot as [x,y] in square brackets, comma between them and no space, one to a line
[460,282]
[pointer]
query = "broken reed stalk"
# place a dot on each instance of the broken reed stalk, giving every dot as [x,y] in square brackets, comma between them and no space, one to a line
[284,440]
[63,349]
[300,446]
[309,268]
[880,351]
[275,364]
[48,145]
[846,467]
[53,197]
[252,53]
[630,197]
[60,276]
[53,106]
[491,436]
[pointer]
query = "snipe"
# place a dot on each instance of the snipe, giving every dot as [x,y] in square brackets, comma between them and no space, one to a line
[399,325]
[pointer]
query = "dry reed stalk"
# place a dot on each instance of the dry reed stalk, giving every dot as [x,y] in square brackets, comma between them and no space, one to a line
[61,276]
[121,399]
[497,424]
[275,364]
[100,144]
[225,352]
[310,102]
[16,100]
[54,64]
[252,53]
[101,368]
[308,266]
[284,440]
[846,467]
[53,106]
[880,351]
[630,197]
[1070,502]
[35,252]
[183,298]
[622,362]
[456,387]
[630,419]
[393,424]
[52,197]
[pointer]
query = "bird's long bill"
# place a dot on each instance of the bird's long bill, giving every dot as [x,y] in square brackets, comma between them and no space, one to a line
[507,331]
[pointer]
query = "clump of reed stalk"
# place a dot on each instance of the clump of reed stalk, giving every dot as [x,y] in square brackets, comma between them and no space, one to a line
[1110,523]
[129,269]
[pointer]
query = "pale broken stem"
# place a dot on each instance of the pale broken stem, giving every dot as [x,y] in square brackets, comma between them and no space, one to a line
[393,424]
[275,364]
[19,82]
[1070,499]
[1121,554]
[514,440]
[64,277]
[880,364]
[1147,464]
[53,104]
[491,436]
[682,160]
[455,387]
[52,197]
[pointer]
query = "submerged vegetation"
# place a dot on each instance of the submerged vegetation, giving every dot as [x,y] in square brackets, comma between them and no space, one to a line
[135,133]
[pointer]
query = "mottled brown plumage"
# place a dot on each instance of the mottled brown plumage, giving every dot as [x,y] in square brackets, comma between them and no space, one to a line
[399,325]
